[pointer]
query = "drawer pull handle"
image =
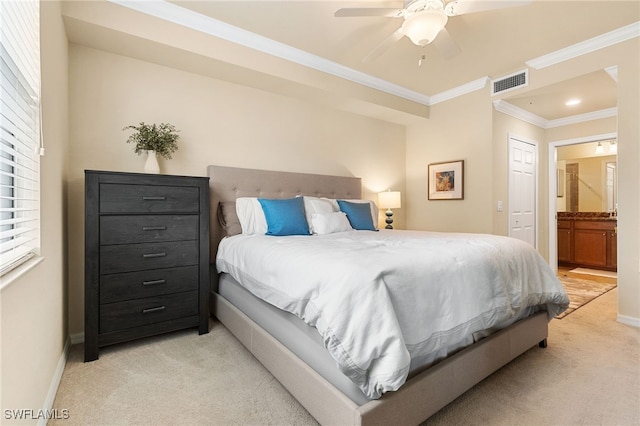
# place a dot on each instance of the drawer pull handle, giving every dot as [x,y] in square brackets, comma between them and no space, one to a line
[149,198]
[154,228]
[153,282]
[148,310]
[151,255]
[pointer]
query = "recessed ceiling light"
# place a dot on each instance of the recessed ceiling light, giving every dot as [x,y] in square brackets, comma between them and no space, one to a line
[572,102]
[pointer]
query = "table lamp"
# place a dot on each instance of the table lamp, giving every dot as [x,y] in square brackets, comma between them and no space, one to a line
[389,200]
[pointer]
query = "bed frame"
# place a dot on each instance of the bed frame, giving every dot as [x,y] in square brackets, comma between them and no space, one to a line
[423,394]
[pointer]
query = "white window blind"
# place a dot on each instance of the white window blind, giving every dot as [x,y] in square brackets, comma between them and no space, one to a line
[19,132]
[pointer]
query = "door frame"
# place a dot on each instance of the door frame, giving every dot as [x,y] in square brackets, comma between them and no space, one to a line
[551,163]
[510,137]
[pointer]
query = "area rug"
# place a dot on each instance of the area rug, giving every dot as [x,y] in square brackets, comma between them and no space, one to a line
[581,292]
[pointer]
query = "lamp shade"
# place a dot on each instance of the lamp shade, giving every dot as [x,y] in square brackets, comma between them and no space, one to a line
[389,200]
[423,27]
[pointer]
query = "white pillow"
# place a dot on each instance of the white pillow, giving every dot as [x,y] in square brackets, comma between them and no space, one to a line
[315,205]
[328,223]
[251,216]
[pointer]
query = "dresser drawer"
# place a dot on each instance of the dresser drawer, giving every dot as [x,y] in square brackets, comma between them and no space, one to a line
[147,228]
[120,198]
[134,313]
[140,257]
[137,285]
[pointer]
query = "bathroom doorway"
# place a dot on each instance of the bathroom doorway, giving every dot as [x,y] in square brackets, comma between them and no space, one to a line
[594,180]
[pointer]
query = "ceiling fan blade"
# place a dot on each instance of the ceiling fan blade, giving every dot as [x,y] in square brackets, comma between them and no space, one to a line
[445,44]
[369,11]
[461,7]
[384,46]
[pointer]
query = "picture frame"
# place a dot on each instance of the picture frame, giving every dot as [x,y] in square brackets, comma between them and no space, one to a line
[445,180]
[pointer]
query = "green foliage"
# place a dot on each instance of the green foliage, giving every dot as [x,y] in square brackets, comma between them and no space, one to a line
[163,138]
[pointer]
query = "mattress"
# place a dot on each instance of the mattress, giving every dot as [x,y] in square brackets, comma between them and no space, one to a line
[419,297]
[291,331]
[305,341]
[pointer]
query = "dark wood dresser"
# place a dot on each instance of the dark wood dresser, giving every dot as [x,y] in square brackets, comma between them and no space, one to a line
[146,256]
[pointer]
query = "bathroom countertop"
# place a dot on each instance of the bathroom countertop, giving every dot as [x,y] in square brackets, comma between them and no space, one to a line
[587,216]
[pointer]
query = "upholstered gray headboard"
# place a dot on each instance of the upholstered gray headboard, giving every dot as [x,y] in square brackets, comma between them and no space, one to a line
[230,183]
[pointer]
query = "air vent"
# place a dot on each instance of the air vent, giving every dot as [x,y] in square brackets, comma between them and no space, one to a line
[513,81]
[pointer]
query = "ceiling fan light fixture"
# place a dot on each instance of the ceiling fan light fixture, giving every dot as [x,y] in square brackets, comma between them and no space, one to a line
[423,27]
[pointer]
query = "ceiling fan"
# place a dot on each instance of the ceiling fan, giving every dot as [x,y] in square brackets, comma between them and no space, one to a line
[425,20]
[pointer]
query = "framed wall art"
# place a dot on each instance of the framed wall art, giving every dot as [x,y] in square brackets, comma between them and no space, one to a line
[445,181]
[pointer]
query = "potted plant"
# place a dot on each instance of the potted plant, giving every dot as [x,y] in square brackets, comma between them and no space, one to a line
[154,140]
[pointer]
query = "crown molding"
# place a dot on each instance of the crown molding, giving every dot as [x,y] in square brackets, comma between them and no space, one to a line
[171,12]
[472,86]
[591,45]
[529,117]
[187,18]
[519,113]
[613,72]
[581,118]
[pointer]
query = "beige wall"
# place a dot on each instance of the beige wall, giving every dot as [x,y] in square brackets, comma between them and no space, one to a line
[221,123]
[504,126]
[34,321]
[628,183]
[582,130]
[466,128]
[459,129]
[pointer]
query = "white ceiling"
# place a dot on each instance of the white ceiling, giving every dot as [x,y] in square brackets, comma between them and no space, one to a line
[596,91]
[493,43]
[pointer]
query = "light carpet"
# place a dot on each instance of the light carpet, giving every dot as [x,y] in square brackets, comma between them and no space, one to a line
[588,375]
[582,291]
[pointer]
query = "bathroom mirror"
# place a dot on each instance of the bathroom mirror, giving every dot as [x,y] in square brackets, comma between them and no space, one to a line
[590,177]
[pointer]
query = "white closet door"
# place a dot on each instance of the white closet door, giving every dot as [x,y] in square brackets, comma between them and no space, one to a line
[523,164]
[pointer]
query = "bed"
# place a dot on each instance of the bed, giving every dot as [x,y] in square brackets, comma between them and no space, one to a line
[301,357]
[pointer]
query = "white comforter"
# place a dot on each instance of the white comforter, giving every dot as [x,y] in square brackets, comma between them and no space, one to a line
[380,299]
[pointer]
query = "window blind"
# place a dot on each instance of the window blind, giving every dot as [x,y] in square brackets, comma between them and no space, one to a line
[19,132]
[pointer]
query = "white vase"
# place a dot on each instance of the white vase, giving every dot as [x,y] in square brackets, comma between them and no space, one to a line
[151,165]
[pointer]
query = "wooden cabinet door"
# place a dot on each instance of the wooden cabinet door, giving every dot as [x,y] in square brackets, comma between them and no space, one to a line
[590,247]
[612,249]
[564,242]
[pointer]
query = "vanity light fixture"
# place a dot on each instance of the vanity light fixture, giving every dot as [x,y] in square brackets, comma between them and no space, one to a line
[613,147]
[599,148]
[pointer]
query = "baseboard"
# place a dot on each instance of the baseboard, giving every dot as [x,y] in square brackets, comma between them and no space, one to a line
[55,382]
[632,321]
[77,338]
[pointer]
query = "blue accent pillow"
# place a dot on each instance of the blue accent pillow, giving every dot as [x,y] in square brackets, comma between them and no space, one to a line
[359,215]
[285,216]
